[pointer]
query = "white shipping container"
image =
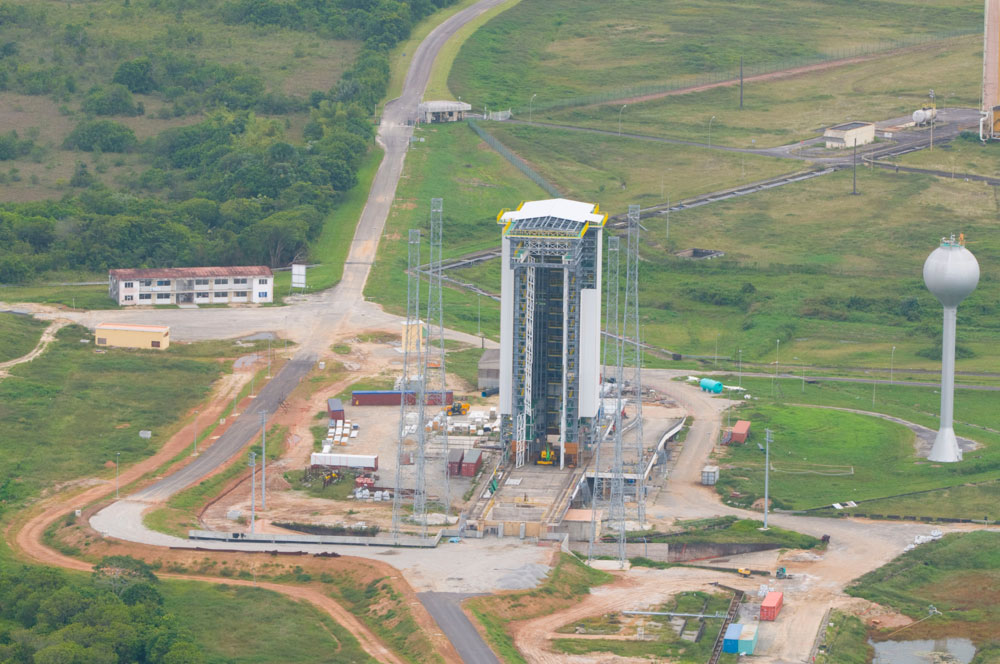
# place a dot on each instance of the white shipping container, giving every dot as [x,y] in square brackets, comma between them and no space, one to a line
[354,434]
[345,460]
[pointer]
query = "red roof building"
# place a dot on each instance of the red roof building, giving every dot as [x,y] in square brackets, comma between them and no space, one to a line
[192,285]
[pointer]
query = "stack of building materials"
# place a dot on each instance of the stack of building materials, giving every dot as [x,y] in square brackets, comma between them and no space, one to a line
[771,606]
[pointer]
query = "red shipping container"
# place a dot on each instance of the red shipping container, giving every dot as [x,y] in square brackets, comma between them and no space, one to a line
[455,462]
[771,605]
[741,431]
[471,462]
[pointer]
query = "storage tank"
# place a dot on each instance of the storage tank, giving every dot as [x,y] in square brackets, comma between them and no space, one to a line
[924,115]
[709,385]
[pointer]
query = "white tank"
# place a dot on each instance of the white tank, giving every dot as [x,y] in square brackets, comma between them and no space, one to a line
[951,272]
[924,115]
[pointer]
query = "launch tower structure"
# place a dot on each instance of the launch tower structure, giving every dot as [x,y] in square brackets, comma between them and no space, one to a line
[550,327]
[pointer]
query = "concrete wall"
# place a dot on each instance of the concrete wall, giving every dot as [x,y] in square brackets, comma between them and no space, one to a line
[673,553]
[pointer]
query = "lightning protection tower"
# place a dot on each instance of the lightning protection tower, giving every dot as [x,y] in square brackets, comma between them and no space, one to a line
[550,327]
[411,429]
[434,356]
[632,358]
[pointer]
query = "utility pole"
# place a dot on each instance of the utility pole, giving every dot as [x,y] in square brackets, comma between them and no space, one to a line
[777,348]
[253,486]
[263,459]
[117,458]
[269,357]
[740,353]
[854,190]
[668,219]
[741,82]
[194,442]
[767,472]
[891,355]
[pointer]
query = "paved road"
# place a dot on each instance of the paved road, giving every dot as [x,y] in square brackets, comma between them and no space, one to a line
[236,437]
[446,610]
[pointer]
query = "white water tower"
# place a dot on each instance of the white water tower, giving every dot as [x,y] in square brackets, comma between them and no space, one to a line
[951,273]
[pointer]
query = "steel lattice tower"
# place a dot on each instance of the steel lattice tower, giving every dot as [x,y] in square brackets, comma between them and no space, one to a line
[616,515]
[632,355]
[610,336]
[409,430]
[434,356]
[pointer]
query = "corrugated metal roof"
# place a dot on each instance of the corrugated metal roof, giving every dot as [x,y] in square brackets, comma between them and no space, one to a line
[190,272]
[443,106]
[556,208]
[334,404]
[133,328]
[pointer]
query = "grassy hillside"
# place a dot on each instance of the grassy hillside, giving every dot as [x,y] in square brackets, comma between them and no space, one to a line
[19,334]
[564,48]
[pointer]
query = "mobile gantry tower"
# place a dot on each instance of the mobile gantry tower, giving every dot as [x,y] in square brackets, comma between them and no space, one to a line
[550,327]
[989,123]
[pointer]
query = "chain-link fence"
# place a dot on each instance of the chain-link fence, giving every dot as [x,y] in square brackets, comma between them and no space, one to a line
[514,159]
[749,69]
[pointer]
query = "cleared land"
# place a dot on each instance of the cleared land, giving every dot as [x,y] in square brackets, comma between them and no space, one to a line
[617,171]
[20,334]
[536,47]
[958,574]
[787,110]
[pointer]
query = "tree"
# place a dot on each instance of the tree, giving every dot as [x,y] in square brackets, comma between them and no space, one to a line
[136,75]
[105,135]
[279,238]
[120,572]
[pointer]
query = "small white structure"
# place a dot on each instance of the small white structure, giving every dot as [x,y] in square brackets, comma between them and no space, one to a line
[849,134]
[191,285]
[443,111]
[709,475]
[951,273]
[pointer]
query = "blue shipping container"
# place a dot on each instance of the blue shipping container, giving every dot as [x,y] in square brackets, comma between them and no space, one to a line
[731,642]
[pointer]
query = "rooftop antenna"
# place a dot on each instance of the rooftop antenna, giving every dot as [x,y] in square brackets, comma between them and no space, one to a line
[951,273]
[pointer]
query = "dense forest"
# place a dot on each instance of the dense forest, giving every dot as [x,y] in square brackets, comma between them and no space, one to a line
[47,617]
[232,185]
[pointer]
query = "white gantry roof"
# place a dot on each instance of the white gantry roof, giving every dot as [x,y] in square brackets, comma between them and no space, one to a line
[443,106]
[555,216]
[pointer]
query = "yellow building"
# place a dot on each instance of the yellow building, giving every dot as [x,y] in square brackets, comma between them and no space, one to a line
[122,335]
[849,134]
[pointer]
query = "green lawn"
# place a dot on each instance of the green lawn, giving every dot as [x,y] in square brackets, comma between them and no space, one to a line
[243,625]
[18,335]
[787,110]
[846,641]
[564,48]
[820,457]
[68,412]
[952,574]
[616,171]
[465,364]
[475,183]
[963,155]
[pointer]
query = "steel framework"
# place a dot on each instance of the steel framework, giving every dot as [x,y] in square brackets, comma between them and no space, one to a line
[434,355]
[632,356]
[410,428]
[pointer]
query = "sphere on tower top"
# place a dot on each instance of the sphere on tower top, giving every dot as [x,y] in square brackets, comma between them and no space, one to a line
[951,272]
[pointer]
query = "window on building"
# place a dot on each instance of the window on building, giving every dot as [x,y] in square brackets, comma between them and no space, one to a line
[145,296]
[239,280]
[221,282]
[102,341]
[262,282]
[128,298]
[163,296]
[154,344]
[240,293]
[201,296]
[162,282]
[145,282]
[129,284]
[262,294]
[201,282]
[222,294]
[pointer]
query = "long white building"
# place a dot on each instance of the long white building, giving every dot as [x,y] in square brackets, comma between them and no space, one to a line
[550,327]
[191,285]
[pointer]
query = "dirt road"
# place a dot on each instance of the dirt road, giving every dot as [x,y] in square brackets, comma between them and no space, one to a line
[48,335]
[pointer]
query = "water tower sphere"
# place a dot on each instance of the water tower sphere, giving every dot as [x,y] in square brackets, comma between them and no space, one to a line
[951,272]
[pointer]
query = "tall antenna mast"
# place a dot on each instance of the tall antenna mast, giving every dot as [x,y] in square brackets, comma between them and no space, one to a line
[632,355]
[434,357]
[409,427]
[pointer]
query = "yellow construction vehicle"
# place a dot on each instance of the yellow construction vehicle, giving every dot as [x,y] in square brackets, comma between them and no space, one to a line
[458,408]
[744,572]
[547,456]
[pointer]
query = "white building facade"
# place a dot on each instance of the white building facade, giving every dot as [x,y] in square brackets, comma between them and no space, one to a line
[251,284]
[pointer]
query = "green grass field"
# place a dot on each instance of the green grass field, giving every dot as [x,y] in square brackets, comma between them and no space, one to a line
[952,574]
[846,641]
[837,293]
[68,412]
[475,183]
[18,335]
[821,456]
[963,155]
[536,47]
[617,171]
[787,110]
[242,625]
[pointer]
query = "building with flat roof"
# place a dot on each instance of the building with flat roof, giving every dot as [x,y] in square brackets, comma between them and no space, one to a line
[192,285]
[550,326]
[126,335]
[443,111]
[849,134]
